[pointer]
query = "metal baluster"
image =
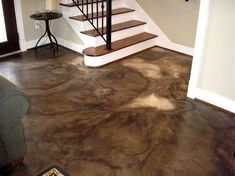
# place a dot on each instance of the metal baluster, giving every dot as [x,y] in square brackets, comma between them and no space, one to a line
[92,11]
[87,8]
[97,14]
[102,6]
[108,15]
[109,24]
[83,5]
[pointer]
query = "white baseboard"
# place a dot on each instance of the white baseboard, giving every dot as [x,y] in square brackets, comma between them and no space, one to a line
[70,45]
[213,99]
[176,47]
[31,44]
[62,42]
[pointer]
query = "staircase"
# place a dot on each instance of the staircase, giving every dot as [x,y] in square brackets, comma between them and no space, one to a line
[107,39]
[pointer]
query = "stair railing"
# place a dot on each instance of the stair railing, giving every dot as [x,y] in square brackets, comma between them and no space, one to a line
[95,12]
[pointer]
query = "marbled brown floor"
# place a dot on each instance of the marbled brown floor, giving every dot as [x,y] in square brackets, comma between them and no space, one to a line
[129,118]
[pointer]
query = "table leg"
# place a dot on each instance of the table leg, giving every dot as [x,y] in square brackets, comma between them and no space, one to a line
[55,42]
[36,46]
[49,35]
[52,46]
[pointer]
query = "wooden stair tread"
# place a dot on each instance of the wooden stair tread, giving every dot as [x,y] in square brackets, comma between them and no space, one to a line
[115,27]
[80,1]
[114,12]
[120,44]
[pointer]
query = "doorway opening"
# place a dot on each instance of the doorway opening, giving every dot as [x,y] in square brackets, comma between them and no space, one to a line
[3,34]
[9,40]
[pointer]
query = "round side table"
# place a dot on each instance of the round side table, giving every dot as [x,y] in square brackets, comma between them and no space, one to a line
[47,16]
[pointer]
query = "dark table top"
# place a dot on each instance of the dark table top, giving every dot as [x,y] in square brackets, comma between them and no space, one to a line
[46,16]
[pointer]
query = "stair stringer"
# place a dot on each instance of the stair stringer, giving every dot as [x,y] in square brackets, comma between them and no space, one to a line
[152,27]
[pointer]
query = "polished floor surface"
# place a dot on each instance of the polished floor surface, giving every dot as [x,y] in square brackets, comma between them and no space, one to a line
[129,118]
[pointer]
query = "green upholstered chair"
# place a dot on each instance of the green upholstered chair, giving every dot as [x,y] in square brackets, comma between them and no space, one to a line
[13,105]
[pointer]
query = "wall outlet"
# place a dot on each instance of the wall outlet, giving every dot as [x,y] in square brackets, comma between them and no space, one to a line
[36,25]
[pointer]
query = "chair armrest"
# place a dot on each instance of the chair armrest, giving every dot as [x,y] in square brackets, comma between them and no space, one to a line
[13,105]
[10,95]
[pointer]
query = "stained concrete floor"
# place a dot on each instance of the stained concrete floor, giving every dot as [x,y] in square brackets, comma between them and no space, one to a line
[129,118]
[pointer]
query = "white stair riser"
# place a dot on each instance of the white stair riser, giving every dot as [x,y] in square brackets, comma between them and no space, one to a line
[108,58]
[75,11]
[67,11]
[97,41]
[70,1]
[66,1]
[87,26]
[115,19]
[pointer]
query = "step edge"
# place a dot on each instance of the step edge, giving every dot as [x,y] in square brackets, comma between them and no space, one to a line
[70,4]
[129,11]
[128,27]
[97,55]
[100,61]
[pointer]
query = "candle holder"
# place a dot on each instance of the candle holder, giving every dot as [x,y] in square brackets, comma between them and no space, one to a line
[51,5]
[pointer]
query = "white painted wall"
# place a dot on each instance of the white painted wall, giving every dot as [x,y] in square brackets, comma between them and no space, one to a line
[217,73]
[214,60]
[176,18]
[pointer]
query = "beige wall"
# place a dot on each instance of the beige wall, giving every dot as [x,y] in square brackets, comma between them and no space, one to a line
[29,7]
[62,29]
[217,72]
[176,18]
[59,27]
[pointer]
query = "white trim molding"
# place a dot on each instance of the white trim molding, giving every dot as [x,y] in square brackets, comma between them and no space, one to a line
[176,47]
[215,99]
[193,90]
[70,45]
[67,44]
[20,24]
[199,44]
[31,44]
